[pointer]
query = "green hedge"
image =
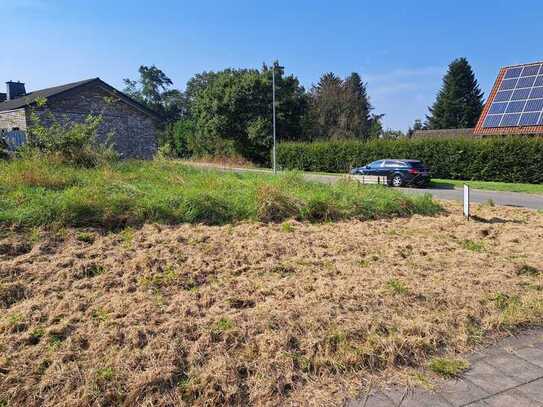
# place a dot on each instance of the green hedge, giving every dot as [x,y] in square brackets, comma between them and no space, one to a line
[503,159]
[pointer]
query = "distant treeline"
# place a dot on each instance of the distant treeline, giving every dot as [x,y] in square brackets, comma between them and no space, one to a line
[229,112]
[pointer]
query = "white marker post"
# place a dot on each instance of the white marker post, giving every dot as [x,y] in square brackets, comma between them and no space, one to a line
[466,201]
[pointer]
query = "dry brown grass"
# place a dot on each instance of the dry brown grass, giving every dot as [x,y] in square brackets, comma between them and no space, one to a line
[224,161]
[255,314]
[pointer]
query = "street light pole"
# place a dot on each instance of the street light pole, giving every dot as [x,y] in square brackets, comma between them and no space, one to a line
[273,97]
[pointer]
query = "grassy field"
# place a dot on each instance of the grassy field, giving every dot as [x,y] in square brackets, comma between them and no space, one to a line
[257,314]
[35,193]
[490,186]
[161,285]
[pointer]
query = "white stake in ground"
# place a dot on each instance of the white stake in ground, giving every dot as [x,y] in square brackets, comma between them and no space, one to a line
[466,201]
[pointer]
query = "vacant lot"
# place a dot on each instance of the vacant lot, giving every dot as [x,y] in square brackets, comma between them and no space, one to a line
[261,314]
[42,192]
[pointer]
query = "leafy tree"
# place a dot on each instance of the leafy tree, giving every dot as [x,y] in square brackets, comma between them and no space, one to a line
[459,102]
[154,89]
[197,84]
[232,112]
[416,126]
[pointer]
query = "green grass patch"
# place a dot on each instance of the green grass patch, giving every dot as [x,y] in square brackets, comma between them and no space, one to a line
[397,287]
[473,245]
[489,186]
[126,194]
[86,237]
[159,279]
[105,374]
[448,367]
[287,227]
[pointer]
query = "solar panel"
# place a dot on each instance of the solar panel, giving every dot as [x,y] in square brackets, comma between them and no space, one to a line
[519,98]
[535,105]
[513,73]
[509,120]
[515,107]
[536,93]
[530,70]
[526,82]
[493,120]
[497,108]
[503,96]
[519,94]
[529,119]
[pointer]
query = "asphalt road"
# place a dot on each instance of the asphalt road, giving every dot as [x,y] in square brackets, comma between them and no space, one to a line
[514,199]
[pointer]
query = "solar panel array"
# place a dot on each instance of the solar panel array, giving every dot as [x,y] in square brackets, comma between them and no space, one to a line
[519,100]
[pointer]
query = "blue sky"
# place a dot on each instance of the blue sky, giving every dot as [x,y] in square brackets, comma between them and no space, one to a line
[401,48]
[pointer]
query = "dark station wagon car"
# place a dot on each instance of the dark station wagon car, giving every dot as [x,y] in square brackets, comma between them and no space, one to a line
[398,172]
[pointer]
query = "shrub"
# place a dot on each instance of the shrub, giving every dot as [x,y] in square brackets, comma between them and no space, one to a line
[4,151]
[501,159]
[70,142]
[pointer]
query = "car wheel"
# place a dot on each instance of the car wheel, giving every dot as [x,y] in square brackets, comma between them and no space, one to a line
[397,181]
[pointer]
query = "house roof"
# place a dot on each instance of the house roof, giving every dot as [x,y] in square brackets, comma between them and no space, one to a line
[32,97]
[482,129]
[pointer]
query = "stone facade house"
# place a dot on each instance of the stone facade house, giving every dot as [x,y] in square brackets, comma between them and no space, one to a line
[130,126]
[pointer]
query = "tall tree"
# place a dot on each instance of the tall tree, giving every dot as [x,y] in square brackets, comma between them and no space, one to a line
[232,112]
[326,104]
[340,108]
[355,118]
[459,102]
[198,83]
[155,90]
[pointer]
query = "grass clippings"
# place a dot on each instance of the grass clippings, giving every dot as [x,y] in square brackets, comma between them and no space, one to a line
[247,314]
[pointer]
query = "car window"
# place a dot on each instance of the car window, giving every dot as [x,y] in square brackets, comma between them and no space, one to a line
[376,164]
[417,164]
[393,164]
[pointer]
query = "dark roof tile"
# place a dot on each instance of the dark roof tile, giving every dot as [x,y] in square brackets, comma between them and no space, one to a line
[31,97]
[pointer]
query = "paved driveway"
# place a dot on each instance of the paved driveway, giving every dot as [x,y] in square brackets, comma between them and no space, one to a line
[509,374]
[516,199]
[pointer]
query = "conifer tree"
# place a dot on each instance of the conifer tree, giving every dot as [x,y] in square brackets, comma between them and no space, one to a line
[355,119]
[459,102]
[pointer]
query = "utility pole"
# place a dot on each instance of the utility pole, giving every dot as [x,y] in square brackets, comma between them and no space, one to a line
[273,97]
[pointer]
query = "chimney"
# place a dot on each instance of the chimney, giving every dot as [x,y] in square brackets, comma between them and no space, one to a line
[15,90]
